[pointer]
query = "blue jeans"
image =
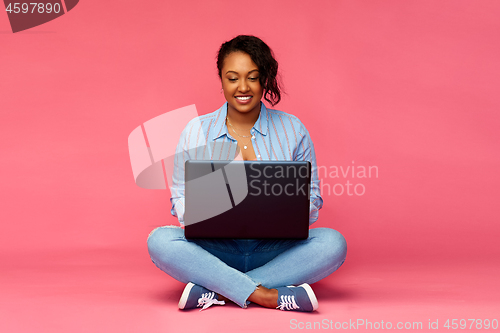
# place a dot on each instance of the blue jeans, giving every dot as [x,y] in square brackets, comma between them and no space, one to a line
[235,267]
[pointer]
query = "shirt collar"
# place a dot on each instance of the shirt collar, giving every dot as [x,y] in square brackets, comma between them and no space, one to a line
[220,127]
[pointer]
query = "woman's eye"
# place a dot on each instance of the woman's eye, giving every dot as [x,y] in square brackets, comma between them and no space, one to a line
[254,78]
[232,80]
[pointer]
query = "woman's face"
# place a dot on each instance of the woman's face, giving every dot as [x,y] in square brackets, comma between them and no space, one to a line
[240,82]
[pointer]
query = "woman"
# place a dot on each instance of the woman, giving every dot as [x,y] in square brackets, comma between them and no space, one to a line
[246,271]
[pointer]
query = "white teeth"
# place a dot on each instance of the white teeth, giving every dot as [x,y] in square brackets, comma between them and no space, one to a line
[244,98]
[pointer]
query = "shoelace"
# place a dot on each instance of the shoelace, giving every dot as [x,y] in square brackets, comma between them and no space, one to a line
[287,303]
[208,299]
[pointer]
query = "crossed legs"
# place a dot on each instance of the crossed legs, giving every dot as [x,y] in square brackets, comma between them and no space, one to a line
[234,268]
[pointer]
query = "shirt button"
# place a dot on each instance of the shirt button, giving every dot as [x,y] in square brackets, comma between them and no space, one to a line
[258,156]
[253,137]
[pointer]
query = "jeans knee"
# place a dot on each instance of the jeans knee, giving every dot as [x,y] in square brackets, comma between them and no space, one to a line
[333,244]
[160,239]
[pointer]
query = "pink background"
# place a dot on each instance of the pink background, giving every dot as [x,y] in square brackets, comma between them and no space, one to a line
[408,86]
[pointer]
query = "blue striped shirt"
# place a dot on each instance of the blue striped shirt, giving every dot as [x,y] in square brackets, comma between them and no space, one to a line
[278,136]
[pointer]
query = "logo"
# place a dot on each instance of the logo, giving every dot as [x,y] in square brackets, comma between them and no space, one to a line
[26,15]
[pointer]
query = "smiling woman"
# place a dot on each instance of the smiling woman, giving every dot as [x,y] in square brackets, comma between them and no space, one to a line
[243,92]
[247,69]
[241,85]
[262,59]
[247,270]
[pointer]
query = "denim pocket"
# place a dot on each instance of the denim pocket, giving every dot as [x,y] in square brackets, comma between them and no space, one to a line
[223,245]
[267,245]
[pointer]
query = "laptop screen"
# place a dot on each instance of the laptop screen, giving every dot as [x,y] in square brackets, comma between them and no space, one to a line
[247,199]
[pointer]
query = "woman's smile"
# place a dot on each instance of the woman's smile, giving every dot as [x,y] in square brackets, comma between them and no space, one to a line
[241,84]
[243,99]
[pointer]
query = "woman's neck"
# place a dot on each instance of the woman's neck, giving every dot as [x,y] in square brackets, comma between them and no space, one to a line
[243,119]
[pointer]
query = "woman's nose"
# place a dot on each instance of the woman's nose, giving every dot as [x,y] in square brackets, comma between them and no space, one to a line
[243,86]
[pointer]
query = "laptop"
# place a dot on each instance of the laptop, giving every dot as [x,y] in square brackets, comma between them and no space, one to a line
[247,199]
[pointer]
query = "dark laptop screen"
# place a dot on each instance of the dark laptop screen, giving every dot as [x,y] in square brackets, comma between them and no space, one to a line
[247,199]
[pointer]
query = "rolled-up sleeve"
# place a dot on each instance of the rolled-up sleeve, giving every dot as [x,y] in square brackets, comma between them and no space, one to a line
[177,189]
[305,152]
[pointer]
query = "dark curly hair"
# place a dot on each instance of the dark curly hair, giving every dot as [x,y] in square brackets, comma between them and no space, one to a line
[262,56]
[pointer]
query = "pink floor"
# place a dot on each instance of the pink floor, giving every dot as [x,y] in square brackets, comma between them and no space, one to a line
[122,291]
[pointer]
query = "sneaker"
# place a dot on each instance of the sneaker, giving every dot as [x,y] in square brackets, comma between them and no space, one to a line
[195,296]
[299,298]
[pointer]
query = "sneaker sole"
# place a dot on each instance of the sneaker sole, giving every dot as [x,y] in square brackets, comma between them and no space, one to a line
[312,296]
[185,295]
